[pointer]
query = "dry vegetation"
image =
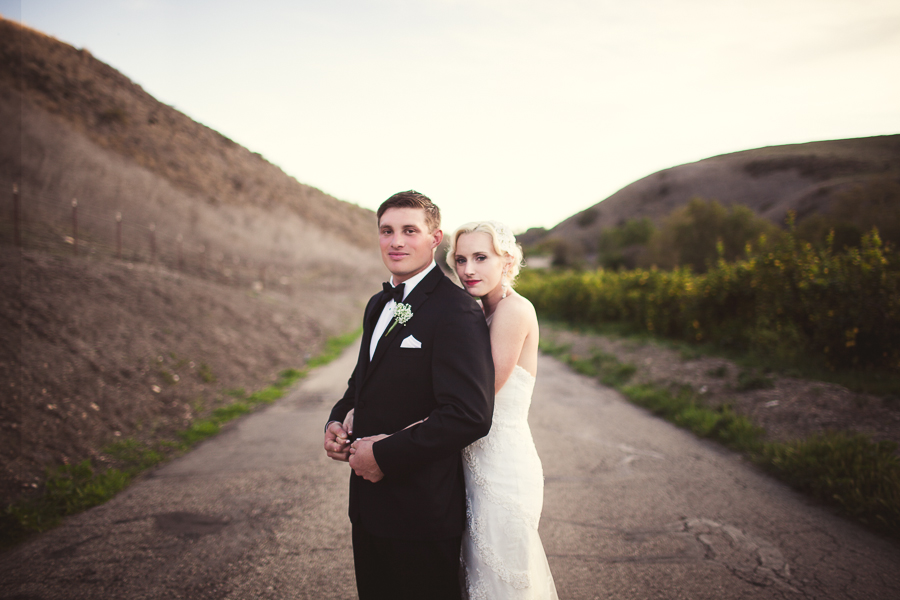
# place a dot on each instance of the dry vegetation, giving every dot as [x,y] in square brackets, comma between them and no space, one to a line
[251,272]
[95,351]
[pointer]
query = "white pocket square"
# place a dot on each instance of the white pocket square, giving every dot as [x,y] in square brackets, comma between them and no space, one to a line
[410,342]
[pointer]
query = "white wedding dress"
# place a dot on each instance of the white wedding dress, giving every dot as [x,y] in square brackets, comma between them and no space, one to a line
[501,550]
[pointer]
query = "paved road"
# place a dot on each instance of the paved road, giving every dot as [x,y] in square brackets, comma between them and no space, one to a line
[634,509]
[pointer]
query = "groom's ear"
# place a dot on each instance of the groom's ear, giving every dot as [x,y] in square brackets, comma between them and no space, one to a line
[437,239]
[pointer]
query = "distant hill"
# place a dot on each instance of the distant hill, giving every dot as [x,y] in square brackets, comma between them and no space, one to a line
[228,270]
[770,181]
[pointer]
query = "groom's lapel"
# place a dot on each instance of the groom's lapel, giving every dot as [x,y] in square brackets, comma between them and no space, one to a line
[416,299]
[371,318]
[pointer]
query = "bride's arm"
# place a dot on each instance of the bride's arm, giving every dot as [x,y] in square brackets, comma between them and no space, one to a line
[381,436]
[509,328]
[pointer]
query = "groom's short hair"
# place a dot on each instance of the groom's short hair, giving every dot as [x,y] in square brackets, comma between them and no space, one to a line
[413,199]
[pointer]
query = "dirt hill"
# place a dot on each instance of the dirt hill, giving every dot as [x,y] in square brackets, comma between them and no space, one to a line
[771,181]
[189,268]
[114,113]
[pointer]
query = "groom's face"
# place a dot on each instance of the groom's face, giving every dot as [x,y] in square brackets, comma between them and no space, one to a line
[407,246]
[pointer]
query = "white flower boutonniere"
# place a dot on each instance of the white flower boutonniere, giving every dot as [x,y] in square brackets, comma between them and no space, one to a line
[402,314]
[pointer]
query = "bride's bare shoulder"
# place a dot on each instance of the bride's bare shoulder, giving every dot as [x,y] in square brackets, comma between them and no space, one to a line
[516,308]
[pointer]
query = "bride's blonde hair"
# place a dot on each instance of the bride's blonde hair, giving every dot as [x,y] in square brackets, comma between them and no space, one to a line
[504,243]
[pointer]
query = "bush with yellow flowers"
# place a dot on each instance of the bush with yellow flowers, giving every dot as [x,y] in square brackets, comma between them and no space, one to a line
[786,299]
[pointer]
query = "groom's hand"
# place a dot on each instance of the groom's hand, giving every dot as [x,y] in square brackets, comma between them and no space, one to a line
[362,459]
[337,444]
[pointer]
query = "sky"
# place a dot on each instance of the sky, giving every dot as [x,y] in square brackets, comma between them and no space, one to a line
[524,111]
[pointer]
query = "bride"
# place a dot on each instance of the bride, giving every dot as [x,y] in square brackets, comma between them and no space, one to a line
[501,550]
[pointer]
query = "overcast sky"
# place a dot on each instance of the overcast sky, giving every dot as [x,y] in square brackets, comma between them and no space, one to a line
[526,111]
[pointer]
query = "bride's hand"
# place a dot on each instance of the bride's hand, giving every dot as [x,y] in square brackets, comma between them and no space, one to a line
[348,427]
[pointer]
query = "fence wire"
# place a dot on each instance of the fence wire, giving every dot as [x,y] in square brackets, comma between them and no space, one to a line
[76,227]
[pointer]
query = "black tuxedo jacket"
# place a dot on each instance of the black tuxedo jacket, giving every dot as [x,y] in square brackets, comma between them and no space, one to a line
[449,380]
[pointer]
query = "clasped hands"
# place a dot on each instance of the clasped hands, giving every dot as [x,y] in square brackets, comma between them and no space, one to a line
[359,453]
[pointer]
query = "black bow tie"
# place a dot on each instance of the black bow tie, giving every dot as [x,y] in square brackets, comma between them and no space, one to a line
[393,293]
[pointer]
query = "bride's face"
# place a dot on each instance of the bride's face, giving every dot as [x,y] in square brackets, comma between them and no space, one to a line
[479,267]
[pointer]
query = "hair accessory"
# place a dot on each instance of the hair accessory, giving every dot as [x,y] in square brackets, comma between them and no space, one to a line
[506,241]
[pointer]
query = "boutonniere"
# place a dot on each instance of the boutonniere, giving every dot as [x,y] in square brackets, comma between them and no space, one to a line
[402,314]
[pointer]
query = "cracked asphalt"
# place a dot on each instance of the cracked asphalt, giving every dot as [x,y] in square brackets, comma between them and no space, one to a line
[634,509]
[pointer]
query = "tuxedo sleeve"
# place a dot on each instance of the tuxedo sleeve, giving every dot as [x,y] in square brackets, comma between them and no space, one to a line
[348,400]
[463,386]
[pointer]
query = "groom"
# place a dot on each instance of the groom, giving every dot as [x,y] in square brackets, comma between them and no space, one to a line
[434,369]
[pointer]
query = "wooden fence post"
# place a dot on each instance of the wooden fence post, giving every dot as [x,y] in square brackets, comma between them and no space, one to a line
[119,235]
[152,243]
[75,224]
[18,236]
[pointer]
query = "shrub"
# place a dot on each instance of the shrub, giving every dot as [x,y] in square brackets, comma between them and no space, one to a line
[567,253]
[856,211]
[619,247]
[786,301]
[700,233]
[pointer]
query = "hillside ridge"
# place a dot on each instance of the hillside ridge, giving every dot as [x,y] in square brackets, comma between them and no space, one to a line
[118,114]
[804,178]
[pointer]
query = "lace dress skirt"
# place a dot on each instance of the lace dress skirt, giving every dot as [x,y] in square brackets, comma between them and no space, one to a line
[501,550]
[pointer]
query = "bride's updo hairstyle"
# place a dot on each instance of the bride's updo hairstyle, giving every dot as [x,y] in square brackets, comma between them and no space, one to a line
[504,245]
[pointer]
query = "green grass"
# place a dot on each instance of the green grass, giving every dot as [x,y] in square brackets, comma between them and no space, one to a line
[231,411]
[199,431]
[878,382]
[859,477]
[205,373]
[205,428]
[683,408]
[70,489]
[333,347]
[850,471]
[135,455]
[750,379]
[718,372]
[67,490]
[605,367]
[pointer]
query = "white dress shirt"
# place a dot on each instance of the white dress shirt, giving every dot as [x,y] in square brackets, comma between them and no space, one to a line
[388,312]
